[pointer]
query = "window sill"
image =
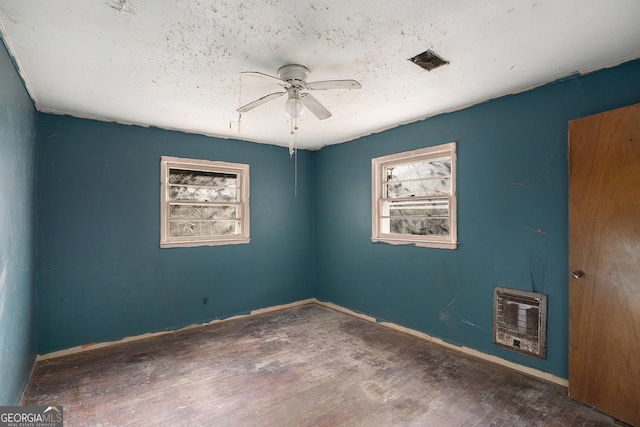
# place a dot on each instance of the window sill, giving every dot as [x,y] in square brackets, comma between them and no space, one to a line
[419,243]
[196,243]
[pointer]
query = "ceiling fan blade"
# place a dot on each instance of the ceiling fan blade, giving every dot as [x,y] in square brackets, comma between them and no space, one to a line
[315,107]
[334,84]
[265,76]
[258,102]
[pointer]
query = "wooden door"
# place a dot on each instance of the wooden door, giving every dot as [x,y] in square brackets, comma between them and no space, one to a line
[604,260]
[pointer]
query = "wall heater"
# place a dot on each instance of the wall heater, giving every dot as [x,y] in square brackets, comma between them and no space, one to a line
[520,321]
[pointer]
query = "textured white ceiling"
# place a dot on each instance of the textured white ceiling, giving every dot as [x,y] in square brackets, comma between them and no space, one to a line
[176,64]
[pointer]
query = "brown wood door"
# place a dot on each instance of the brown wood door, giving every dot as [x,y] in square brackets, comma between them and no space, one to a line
[604,260]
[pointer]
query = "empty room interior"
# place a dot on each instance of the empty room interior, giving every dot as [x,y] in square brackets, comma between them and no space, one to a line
[321,213]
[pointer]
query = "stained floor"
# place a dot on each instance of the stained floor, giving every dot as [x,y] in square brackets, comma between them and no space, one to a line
[304,366]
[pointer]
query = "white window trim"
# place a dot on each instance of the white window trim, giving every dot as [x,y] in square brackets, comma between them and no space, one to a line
[429,153]
[242,170]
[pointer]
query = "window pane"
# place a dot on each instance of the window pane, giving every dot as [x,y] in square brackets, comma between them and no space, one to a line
[199,194]
[190,212]
[202,178]
[181,228]
[421,188]
[419,226]
[421,218]
[418,170]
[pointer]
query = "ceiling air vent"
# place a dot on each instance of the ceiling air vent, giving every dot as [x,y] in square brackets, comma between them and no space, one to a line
[520,321]
[428,60]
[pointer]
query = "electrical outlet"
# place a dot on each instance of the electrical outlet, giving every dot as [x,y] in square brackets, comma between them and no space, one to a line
[205,300]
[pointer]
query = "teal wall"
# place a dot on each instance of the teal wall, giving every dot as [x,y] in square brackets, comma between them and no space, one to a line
[17,232]
[512,179]
[101,273]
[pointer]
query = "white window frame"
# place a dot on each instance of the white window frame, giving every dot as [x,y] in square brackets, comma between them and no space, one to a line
[444,151]
[239,169]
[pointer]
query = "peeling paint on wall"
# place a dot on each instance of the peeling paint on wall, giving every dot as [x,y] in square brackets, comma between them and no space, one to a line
[535,230]
[465,321]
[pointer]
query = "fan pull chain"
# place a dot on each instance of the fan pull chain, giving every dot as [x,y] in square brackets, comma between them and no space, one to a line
[293,151]
[239,103]
[292,143]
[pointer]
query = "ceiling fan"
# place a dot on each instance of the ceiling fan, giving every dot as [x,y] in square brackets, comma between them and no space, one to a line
[293,78]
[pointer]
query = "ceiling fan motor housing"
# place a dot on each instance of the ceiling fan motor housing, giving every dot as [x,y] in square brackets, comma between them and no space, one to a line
[294,74]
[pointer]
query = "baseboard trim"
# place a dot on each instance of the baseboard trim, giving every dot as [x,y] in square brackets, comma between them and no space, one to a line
[466,350]
[26,386]
[86,347]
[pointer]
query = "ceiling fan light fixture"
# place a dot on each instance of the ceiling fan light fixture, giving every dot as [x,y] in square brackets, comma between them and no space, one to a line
[294,107]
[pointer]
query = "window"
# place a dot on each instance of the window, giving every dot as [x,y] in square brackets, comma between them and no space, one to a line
[204,203]
[414,197]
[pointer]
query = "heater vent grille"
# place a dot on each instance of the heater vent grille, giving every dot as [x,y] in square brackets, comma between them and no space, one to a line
[520,321]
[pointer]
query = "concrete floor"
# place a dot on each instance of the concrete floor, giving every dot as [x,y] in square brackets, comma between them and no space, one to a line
[303,366]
